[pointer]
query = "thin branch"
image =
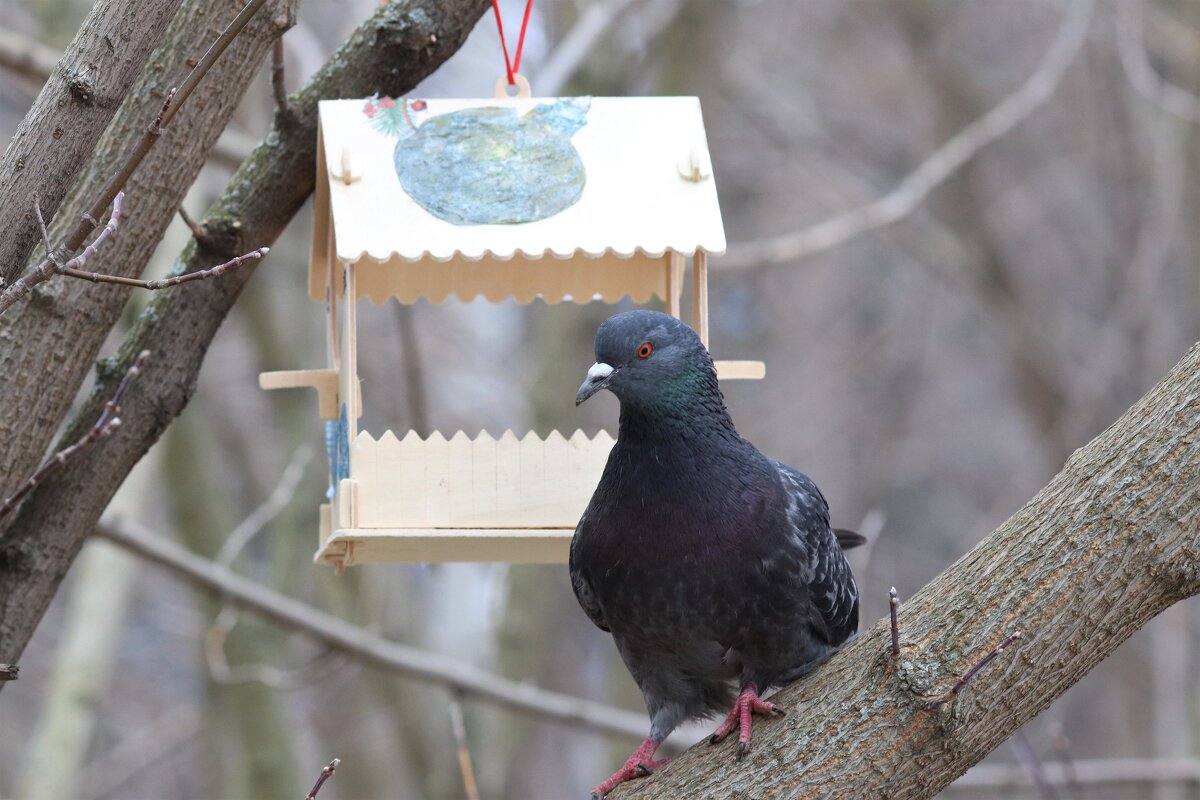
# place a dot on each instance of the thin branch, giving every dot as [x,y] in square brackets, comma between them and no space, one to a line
[108,422]
[325,775]
[50,265]
[1174,100]
[1089,772]
[1062,752]
[574,48]
[269,509]
[1033,765]
[973,671]
[893,614]
[934,170]
[166,283]
[37,209]
[369,647]
[219,667]
[146,744]
[470,787]
[278,87]
[193,226]
[24,56]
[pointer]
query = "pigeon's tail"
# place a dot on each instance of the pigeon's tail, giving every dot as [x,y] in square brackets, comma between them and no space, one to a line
[848,539]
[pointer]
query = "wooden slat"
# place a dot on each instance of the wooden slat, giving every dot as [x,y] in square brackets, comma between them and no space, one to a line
[325,381]
[439,545]
[740,370]
[675,266]
[700,295]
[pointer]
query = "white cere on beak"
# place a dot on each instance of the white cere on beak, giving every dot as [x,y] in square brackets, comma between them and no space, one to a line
[598,372]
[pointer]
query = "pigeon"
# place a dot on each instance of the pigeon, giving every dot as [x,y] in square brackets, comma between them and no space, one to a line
[714,567]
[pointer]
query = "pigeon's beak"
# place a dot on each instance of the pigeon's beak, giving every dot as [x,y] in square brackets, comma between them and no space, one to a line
[598,377]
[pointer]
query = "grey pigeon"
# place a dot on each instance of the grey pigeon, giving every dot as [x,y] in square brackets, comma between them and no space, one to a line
[713,566]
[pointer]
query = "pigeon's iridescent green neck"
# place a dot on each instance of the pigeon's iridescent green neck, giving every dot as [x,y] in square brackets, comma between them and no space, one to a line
[689,401]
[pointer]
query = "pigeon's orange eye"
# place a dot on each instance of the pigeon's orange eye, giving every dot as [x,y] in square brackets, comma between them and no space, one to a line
[644,350]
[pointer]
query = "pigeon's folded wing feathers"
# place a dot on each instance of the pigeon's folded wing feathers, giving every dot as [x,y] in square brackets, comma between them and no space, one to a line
[583,590]
[831,587]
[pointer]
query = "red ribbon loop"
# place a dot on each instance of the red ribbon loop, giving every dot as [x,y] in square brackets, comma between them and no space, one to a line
[514,66]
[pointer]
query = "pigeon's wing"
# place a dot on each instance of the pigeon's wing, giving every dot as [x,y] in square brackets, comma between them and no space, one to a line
[583,589]
[831,585]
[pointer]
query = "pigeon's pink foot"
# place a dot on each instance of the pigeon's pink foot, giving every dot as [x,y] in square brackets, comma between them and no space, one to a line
[639,765]
[746,705]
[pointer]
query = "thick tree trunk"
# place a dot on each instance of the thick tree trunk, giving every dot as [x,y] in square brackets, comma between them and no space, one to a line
[58,134]
[1113,540]
[391,52]
[48,344]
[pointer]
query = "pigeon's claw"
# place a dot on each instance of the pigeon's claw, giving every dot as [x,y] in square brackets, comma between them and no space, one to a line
[747,704]
[639,765]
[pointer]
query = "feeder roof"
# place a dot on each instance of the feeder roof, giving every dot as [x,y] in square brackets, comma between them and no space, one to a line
[636,200]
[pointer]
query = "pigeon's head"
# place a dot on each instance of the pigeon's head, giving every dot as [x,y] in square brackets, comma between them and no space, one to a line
[646,357]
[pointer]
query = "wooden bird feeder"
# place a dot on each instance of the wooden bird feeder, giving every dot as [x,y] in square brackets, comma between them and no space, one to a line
[648,203]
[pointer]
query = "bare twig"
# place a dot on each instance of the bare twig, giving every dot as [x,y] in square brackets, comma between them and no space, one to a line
[470,787]
[934,170]
[193,226]
[50,265]
[278,87]
[71,268]
[1062,753]
[973,671]
[166,283]
[1028,759]
[1174,100]
[25,56]
[269,509]
[108,422]
[9,672]
[574,48]
[37,209]
[325,775]
[111,769]
[893,613]
[1089,772]
[219,667]
[367,646]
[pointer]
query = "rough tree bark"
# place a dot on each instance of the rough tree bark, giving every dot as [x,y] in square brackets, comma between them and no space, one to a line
[48,345]
[58,134]
[1112,541]
[391,52]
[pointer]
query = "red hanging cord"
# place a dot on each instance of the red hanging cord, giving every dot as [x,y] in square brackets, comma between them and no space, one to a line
[514,66]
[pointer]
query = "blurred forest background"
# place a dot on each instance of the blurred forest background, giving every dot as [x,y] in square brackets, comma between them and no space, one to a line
[932,359]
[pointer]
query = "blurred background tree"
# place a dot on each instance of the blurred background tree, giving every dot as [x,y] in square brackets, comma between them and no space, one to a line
[930,374]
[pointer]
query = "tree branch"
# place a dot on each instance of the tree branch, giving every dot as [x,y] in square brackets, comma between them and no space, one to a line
[29,58]
[1174,100]
[1112,541]
[108,422]
[325,775]
[368,647]
[934,170]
